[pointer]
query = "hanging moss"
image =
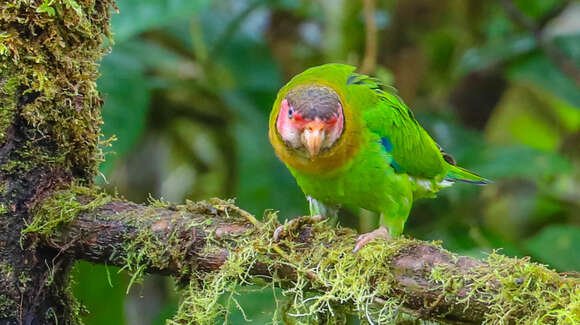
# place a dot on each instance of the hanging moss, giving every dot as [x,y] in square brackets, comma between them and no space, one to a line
[333,282]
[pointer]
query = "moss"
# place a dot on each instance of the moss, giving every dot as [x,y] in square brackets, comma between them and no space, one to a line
[62,207]
[519,280]
[8,309]
[49,57]
[7,102]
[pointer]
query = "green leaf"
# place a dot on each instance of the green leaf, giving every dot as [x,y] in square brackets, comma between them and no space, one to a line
[543,72]
[136,16]
[46,7]
[558,246]
[496,51]
[536,8]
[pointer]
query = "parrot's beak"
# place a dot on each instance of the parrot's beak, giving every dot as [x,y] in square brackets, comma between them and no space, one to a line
[313,136]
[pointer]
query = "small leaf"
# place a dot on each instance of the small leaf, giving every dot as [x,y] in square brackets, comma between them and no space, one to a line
[46,7]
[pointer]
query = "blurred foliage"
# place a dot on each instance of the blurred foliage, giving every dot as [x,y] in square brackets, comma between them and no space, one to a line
[189,85]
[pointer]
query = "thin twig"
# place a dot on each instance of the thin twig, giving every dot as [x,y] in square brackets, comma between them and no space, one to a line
[369,62]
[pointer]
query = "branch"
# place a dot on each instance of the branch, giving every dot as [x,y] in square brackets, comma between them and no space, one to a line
[193,241]
[369,62]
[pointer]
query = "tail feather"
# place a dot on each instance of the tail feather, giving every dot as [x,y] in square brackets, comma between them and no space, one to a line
[458,174]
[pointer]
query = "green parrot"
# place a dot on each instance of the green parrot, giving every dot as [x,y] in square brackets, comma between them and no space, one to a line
[350,141]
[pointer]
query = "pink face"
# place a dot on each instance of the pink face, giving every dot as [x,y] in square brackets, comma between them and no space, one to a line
[313,134]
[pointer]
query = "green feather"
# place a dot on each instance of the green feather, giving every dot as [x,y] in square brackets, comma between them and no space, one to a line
[458,174]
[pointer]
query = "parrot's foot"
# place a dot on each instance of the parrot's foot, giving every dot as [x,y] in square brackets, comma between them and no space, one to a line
[296,223]
[364,239]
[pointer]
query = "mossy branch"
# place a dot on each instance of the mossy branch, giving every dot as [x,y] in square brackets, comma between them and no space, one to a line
[213,247]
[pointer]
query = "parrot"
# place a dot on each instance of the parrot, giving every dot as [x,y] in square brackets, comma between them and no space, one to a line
[350,141]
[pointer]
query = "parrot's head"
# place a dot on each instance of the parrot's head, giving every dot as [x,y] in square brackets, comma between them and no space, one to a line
[310,119]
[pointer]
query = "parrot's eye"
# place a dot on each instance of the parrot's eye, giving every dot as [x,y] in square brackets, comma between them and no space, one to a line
[290,112]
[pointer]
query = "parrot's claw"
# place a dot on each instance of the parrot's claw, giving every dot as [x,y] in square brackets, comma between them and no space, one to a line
[295,223]
[364,239]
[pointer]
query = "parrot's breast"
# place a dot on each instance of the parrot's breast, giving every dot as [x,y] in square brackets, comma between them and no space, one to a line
[368,182]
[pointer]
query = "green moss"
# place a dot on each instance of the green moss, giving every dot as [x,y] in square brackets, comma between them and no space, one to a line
[7,103]
[349,281]
[331,282]
[7,307]
[49,57]
[551,298]
[7,270]
[62,207]
[23,280]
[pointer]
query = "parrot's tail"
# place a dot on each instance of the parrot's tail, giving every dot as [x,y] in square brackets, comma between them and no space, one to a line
[458,174]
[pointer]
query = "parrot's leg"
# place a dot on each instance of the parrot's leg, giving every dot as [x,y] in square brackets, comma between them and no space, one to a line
[392,224]
[364,239]
[318,208]
[318,213]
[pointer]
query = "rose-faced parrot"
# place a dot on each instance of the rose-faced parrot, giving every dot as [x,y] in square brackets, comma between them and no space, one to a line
[351,141]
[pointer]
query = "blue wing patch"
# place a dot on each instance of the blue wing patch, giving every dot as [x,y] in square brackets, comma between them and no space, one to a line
[388,146]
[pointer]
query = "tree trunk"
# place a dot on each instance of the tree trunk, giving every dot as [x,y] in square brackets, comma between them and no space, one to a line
[49,127]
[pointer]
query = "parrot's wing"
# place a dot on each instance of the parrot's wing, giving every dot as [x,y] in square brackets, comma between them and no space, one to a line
[412,150]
